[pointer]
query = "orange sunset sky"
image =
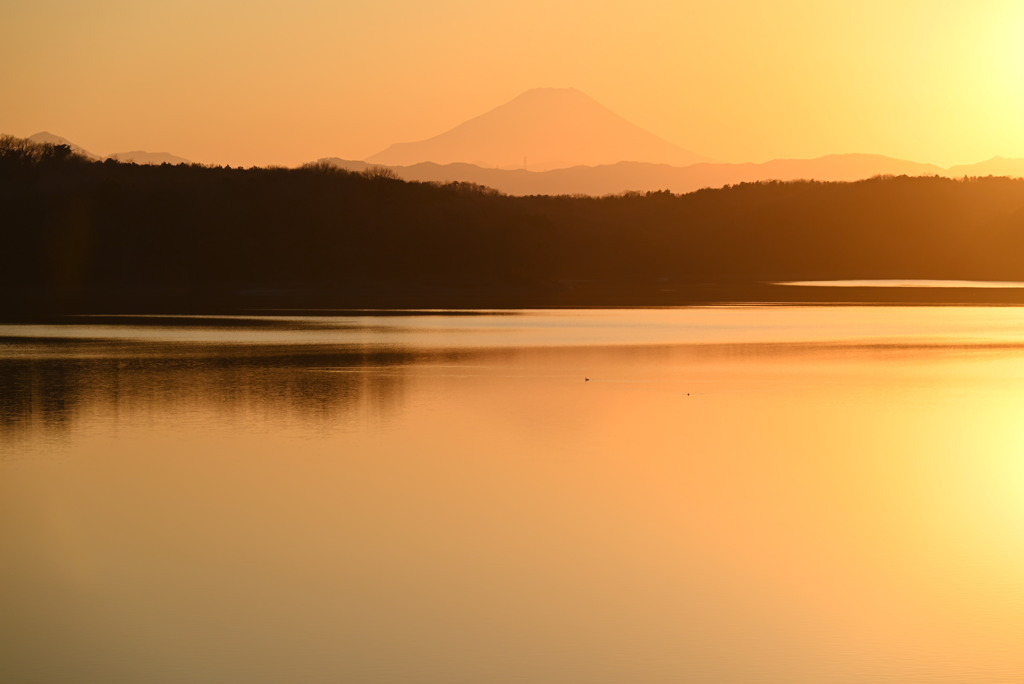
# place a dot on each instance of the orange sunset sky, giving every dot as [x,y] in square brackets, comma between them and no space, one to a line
[260,82]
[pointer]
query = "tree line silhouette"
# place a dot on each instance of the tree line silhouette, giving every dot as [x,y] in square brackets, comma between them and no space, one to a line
[91,236]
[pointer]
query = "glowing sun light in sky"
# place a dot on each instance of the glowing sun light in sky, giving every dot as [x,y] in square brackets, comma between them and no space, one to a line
[739,80]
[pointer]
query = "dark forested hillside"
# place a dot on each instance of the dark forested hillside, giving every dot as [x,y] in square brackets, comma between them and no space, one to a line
[83,235]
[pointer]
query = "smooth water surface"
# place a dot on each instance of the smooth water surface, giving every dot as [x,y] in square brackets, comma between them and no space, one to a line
[774,494]
[912,282]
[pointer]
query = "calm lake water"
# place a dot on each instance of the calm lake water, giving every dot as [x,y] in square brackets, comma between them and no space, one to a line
[763,494]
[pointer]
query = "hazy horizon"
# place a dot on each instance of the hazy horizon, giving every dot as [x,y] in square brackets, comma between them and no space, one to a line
[734,81]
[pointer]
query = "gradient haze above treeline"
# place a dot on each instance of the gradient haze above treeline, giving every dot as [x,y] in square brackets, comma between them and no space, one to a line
[83,235]
[607,179]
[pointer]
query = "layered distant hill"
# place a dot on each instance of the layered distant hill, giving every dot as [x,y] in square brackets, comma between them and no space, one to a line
[142,157]
[559,141]
[48,138]
[996,166]
[625,176]
[631,176]
[542,129]
[136,157]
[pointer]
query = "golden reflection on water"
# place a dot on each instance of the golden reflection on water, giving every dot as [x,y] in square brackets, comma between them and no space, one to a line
[711,513]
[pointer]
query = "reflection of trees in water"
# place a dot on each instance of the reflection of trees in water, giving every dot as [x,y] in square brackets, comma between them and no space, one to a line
[68,384]
[28,393]
[320,387]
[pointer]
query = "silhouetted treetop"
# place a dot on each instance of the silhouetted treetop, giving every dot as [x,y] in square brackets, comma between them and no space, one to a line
[94,233]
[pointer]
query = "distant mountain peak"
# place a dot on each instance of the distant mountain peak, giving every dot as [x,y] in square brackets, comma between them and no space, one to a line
[541,129]
[136,156]
[47,138]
